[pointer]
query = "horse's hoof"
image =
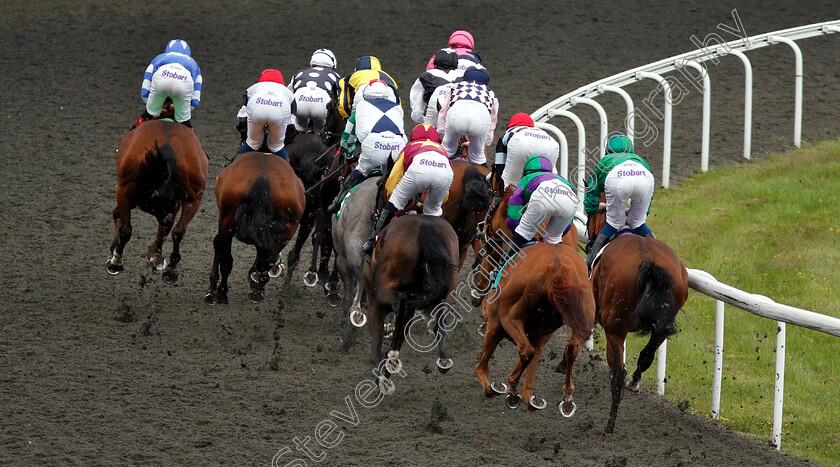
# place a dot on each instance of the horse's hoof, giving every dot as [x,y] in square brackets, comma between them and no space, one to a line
[327,287]
[476,298]
[113,269]
[310,279]
[169,276]
[389,330]
[276,270]
[393,366]
[512,401]
[386,386]
[537,405]
[357,318]
[254,277]
[444,365]
[567,408]
[208,298]
[475,294]
[482,328]
[256,297]
[159,266]
[502,390]
[334,299]
[632,387]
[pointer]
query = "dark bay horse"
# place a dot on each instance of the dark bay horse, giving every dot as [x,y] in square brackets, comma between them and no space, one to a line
[413,267]
[469,199]
[310,160]
[161,168]
[639,285]
[261,202]
[544,287]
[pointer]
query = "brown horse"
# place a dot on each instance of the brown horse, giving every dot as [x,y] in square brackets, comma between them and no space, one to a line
[469,199]
[543,287]
[261,202]
[161,168]
[494,237]
[413,266]
[639,286]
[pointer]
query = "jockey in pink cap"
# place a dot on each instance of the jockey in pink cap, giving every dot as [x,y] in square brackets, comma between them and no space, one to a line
[462,43]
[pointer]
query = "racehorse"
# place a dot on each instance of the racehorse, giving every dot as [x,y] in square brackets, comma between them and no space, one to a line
[161,168]
[349,232]
[493,238]
[310,159]
[544,287]
[261,202]
[413,266]
[469,199]
[639,285]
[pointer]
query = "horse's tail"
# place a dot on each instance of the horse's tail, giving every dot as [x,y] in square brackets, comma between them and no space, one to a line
[435,257]
[476,191]
[255,220]
[657,306]
[568,302]
[157,172]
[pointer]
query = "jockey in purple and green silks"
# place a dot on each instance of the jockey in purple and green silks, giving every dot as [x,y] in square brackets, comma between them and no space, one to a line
[623,177]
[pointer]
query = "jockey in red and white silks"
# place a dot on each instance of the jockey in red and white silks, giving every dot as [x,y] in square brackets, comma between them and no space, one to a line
[469,108]
[267,103]
[425,166]
[313,89]
[520,142]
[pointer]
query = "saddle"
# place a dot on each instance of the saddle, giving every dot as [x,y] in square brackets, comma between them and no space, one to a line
[624,231]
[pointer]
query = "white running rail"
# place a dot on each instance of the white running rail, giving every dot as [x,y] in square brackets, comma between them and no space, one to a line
[698,280]
[681,63]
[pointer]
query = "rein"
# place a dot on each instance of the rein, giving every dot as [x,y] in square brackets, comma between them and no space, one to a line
[325,152]
[326,177]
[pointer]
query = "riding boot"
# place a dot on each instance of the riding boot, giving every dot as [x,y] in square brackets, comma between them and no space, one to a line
[644,231]
[143,117]
[384,218]
[352,180]
[188,124]
[512,248]
[599,243]
[242,128]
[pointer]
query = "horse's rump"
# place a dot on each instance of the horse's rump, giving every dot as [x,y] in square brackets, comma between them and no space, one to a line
[256,218]
[155,179]
[567,291]
[435,259]
[657,307]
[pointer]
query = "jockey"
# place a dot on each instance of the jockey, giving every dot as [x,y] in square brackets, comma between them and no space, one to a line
[267,102]
[426,167]
[314,88]
[520,142]
[433,83]
[469,107]
[351,86]
[173,74]
[622,176]
[377,123]
[540,195]
[462,43]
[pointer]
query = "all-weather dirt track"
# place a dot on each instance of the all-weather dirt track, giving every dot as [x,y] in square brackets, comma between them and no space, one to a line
[97,369]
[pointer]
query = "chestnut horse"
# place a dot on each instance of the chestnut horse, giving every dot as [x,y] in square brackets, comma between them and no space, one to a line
[494,237]
[639,285]
[261,202]
[161,168]
[413,266]
[543,287]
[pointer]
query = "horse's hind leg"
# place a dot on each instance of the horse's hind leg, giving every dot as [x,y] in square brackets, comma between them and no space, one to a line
[377,333]
[516,330]
[122,232]
[402,314]
[645,359]
[165,224]
[325,247]
[304,228]
[531,374]
[567,407]
[221,247]
[190,208]
[615,351]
